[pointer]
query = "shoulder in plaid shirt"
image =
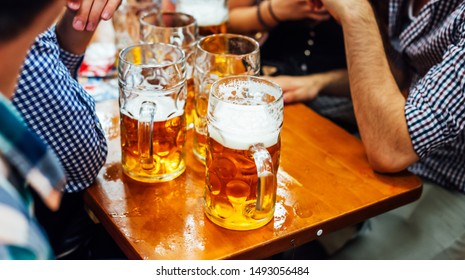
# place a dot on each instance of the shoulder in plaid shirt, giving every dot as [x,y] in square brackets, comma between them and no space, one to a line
[24,161]
[60,111]
[434,46]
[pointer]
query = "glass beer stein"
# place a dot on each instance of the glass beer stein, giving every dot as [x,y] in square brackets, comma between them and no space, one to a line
[126,20]
[211,15]
[152,97]
[218,56]
[177,29]
[245,115]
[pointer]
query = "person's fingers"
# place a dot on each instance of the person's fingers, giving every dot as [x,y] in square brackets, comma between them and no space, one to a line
[80,20]
[284,85]
[319,16]
[316,4]
[321,9]
[282,80]
[110,8]
[73,4]
[95,14]
[290,97]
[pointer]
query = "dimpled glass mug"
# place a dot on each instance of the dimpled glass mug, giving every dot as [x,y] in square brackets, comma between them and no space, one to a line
[152,86]
[218,56]
[177,29]
[245,116]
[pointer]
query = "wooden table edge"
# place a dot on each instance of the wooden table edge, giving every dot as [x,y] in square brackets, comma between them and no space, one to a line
[291,240]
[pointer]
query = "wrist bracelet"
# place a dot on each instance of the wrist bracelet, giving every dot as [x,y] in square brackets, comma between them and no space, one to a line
[259,16]
[273,15]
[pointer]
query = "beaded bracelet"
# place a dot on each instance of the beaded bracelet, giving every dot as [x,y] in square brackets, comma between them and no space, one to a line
[260,18]
[273,15]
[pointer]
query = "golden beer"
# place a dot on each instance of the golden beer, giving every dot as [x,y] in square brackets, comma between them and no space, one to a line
[200,124]
[219,56]
[165,159]
[231,187]
[190,103]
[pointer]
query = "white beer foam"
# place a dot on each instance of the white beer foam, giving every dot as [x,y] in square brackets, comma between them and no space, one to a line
[239,127]
[165,107]
[207,14]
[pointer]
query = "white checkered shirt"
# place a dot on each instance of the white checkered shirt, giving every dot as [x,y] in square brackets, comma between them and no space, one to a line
[434,46]
[60,111]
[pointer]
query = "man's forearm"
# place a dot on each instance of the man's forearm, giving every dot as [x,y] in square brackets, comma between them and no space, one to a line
[337,83]
[245,19]
[378,102]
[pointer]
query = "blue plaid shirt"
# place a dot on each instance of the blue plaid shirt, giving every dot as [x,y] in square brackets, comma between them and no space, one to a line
[434,47]
[60,111]
[24,161]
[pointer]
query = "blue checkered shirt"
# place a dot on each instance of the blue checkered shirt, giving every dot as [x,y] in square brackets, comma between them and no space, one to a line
[60,111]
[433,45]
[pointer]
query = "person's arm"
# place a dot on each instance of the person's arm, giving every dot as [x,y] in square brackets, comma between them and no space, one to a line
[378,102]
[308,87]
[244,17]
[70,39]
[90,12]
[168,5]
[77,26]
[61,112]
[56,107]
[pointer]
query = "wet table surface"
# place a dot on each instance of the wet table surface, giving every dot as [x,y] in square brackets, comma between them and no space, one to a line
[324,184]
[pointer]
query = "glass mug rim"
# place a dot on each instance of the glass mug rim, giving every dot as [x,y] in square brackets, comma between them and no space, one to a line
[192,22]
[255,79]
[256,50]
[191,26]
[179,50]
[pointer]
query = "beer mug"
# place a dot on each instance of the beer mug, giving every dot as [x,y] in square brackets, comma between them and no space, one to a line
[211,15]
[245,115]
[152,97]
[177,29]
[218,56]
[126,20]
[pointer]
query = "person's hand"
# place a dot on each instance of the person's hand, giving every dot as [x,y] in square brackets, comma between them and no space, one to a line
[320,14]
[90,12]
[298,9]
[302,88]
[340,8]
[76,27]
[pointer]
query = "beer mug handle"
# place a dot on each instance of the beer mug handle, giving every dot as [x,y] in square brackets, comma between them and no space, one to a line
[266,177]
[145,131]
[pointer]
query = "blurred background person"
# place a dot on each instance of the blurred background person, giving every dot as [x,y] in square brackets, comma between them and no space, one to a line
[27,164]
[58,109]
[419,127]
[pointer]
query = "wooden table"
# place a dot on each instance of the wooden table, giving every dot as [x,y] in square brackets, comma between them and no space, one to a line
[325,184]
